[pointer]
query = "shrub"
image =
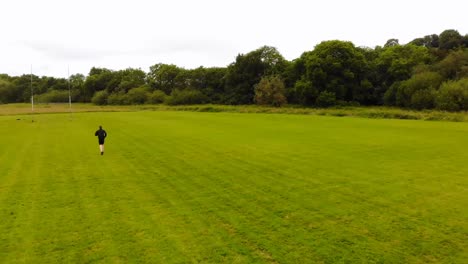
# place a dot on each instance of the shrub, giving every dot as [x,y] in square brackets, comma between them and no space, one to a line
[454,65]
[423,99]
[453,95]
[305,93]
[156,97]
[138,95]
[186,97]
[118,99]
[364,93]
[53,96]
[418,82]
[100,97]
[7,91]
[390,95]
[326,99]
[342,103]
[270,91]
[403,95]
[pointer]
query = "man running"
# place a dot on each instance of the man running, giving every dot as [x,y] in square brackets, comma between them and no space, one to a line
[101,134]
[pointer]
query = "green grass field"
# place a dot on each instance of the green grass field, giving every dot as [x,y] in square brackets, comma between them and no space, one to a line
[184,187]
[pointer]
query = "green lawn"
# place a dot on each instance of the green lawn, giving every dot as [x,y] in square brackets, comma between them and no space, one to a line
[178,187]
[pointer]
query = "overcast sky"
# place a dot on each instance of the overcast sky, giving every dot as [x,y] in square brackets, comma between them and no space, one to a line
[56,35]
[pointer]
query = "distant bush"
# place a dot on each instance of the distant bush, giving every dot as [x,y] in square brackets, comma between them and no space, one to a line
[7,92]
[100,97]
[156,97]
[270,91]
[418,82]
[423,99]
[53,96]
[341,103]
[186,97]
[389,97]
[326,99]
[454,65]
[138,95]
[453,95]
[304,92]
[118,99]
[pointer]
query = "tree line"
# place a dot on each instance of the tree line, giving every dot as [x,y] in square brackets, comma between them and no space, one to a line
[428,72]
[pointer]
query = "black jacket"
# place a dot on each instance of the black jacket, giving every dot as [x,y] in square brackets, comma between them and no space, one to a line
[101,134]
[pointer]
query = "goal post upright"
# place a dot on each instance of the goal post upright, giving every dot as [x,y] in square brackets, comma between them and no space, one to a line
[69,94]
[32,97]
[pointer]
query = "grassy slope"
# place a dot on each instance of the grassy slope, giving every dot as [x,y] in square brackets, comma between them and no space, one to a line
[203,187]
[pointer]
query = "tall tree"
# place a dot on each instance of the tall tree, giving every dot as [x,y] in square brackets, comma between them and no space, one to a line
[7,91]
[429,41]
[337,67]
[248,69]
[455,65]
[396,63]
[166,77]
[293,72]
[209,81]
[98,80]
[77,86]
[128,79]
[392,43]
[450,39]
[465,41]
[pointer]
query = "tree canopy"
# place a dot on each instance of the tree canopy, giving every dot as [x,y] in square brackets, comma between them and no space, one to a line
[426,73]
